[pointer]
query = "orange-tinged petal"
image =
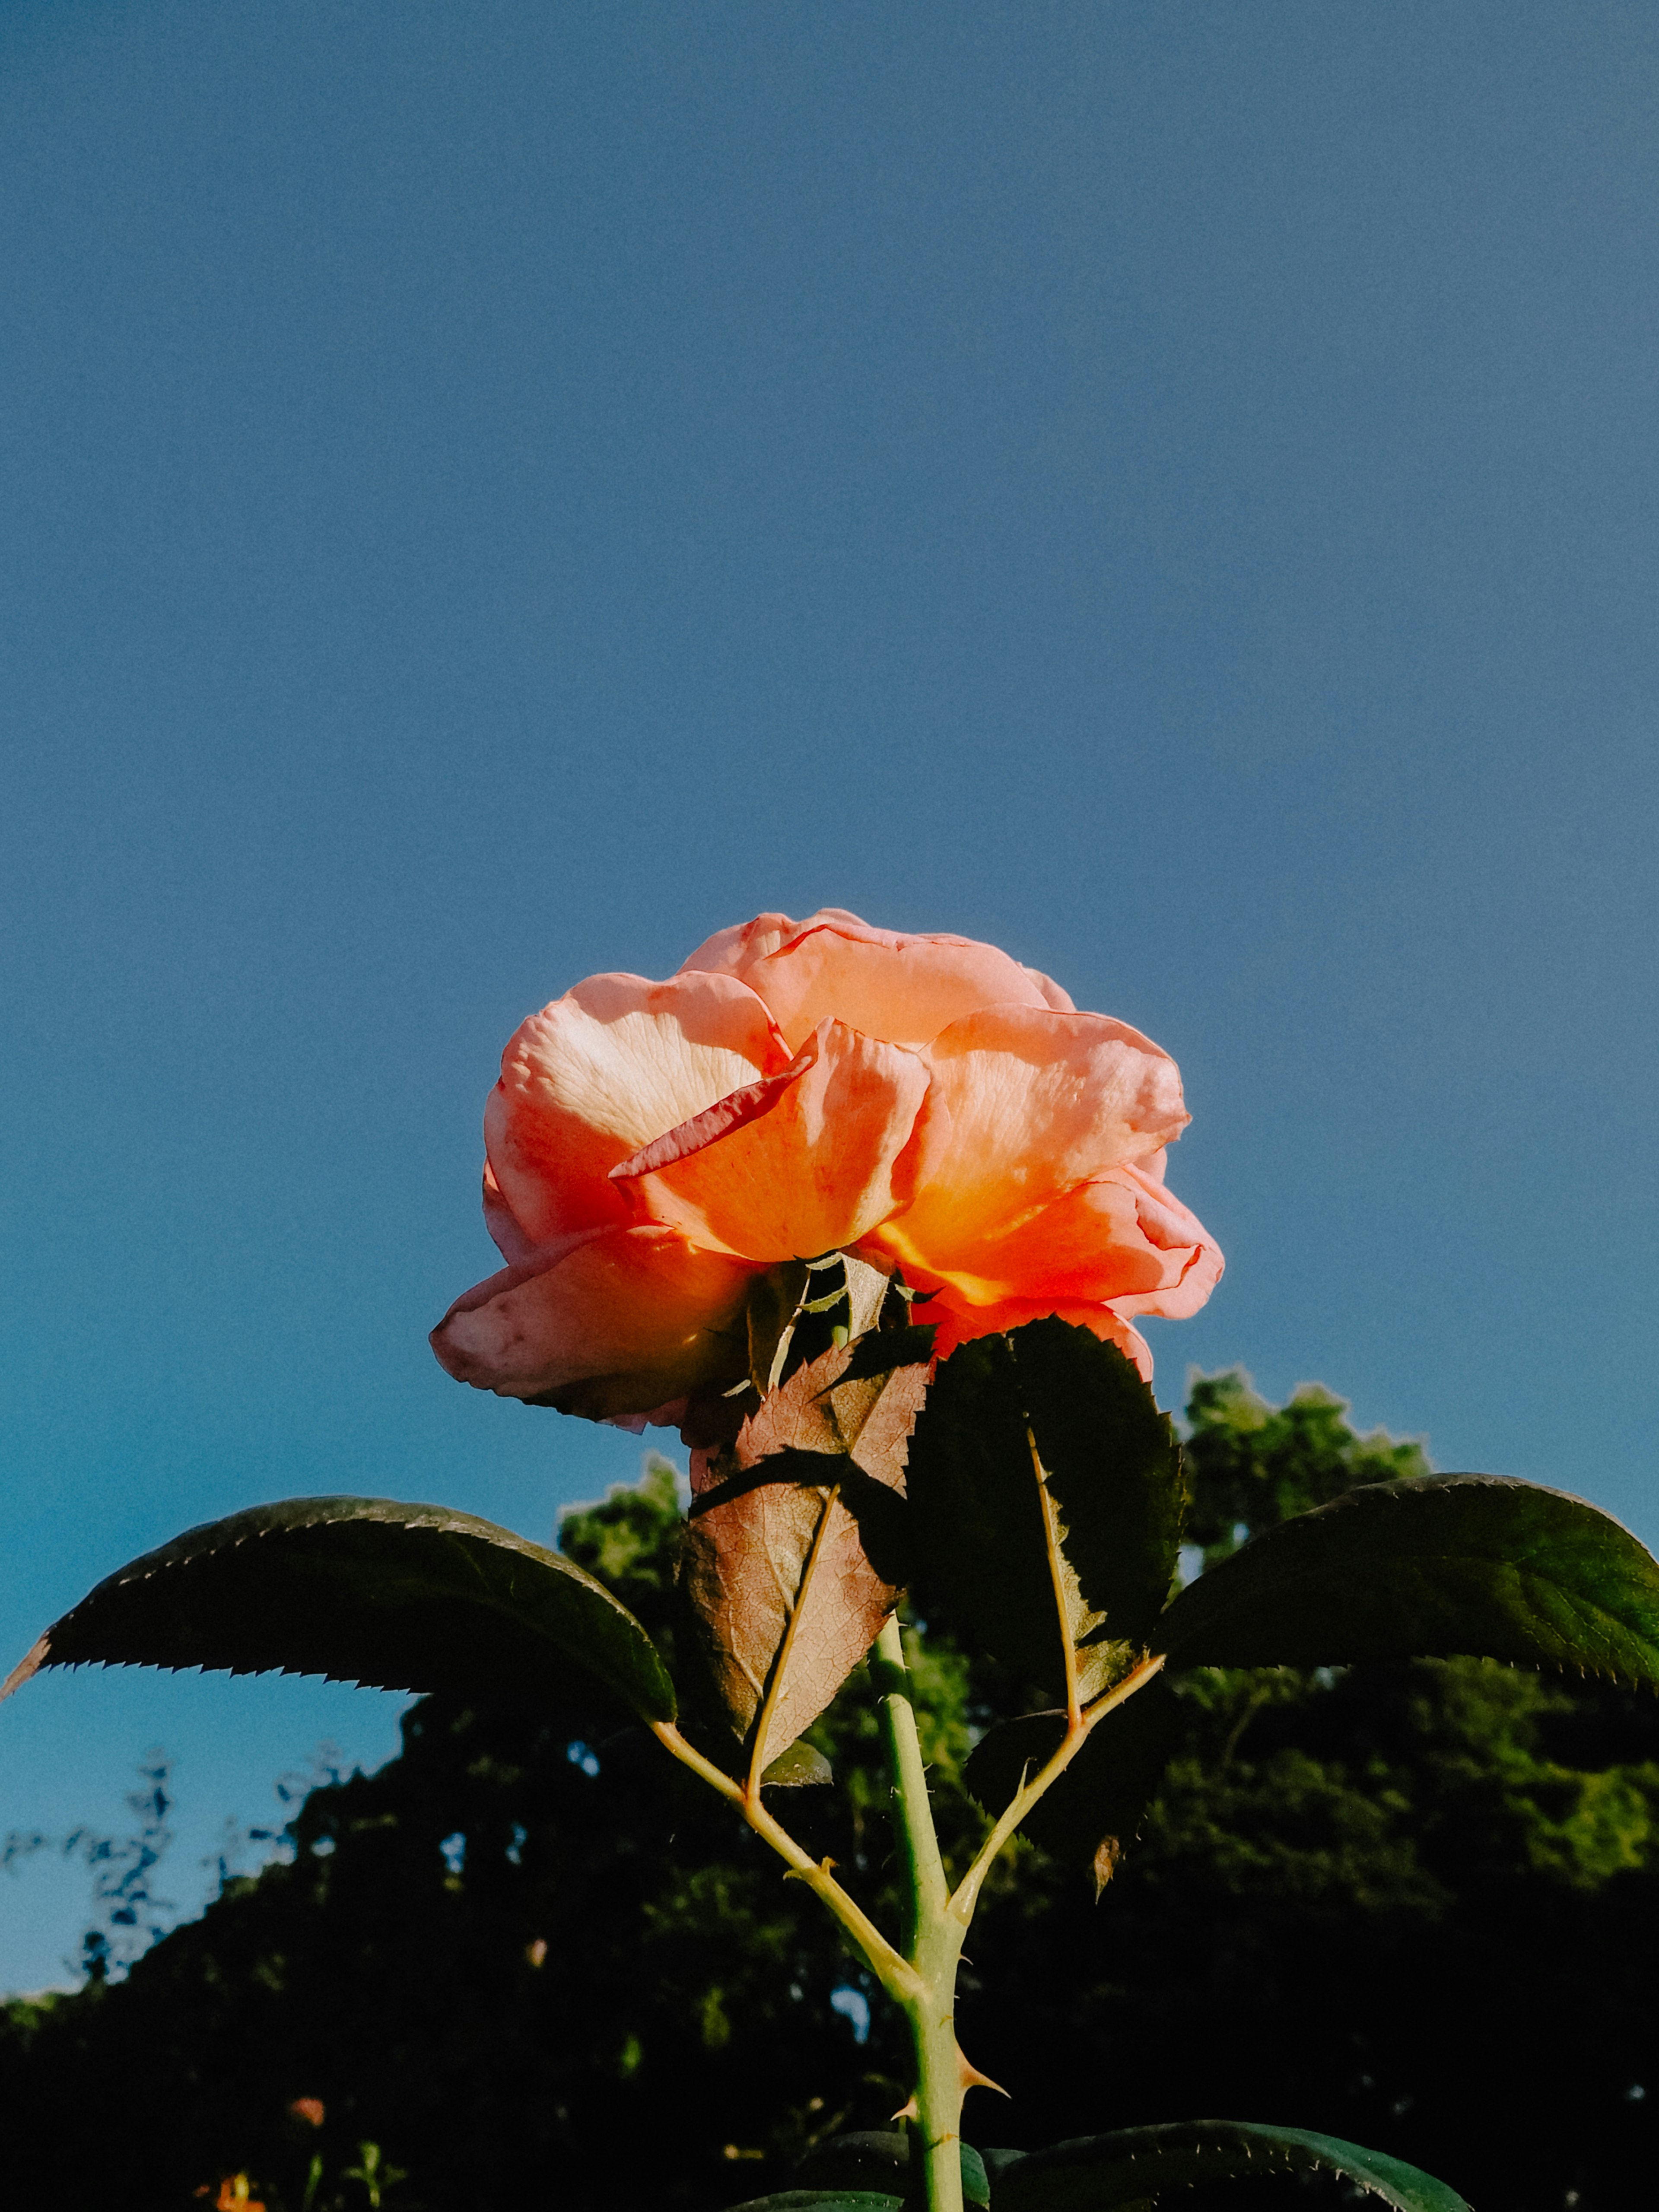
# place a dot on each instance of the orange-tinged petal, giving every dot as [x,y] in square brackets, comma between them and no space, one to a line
[797,1164]
[1122,1239]
[596,1075]
[623,1322]
[509,1239]
[1024,1104]
[956,1322]
[1193,1261]
[1061,1001]
[734,951]
[903,990]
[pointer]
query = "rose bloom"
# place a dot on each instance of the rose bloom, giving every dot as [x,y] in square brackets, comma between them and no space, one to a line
[800,1088]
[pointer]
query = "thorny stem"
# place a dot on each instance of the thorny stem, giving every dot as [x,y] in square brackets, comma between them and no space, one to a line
[932,1938]
[925,1890]
[920,1978]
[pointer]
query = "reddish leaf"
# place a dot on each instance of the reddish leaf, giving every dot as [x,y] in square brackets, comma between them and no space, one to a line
[867,1420]
[794,1553]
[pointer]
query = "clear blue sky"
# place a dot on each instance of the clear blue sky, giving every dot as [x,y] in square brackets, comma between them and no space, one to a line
[494,492]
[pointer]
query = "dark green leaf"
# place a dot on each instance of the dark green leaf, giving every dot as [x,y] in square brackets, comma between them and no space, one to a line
[880,2158]
[981,1544]
[800,1767]
[1090,1815]
[1435,1565]
[997,2162]
[880,1350]
[1108,2174]
[824,2200]
[363,1589]
[975,2181]
[1112,1465]
[1099,1518]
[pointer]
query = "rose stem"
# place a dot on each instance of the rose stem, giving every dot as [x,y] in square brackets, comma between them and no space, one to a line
[932,1937]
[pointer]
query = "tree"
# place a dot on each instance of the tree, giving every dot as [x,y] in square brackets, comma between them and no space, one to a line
[538,1966]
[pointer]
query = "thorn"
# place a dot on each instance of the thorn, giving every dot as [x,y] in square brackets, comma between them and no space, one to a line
[973,2079]
[805,1873]
[910,2110]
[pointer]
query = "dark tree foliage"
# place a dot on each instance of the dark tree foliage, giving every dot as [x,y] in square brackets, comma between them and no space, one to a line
[1252,1465]
[1415,1906]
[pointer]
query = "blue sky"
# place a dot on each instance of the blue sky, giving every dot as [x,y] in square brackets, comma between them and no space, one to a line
[490,494]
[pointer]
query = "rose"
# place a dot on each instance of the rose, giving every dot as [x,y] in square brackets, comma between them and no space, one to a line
[800,1088]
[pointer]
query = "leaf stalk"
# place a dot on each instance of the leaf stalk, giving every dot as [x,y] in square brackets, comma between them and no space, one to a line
[894,1971]
[1077,1734]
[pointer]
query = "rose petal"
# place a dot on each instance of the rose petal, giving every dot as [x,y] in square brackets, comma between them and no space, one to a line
[599,1072]
[1122,1239]
[734,951]
[624,1322]
[1061,1001]
[1192,1258]
[509,1239]
[797,1164]
[1024,1104]
[959,1322]
[903,990]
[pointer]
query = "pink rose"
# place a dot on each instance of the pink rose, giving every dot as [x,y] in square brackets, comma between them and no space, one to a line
[800,1088]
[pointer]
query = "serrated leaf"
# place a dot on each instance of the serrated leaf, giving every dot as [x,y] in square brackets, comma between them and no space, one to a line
[795,1550]
[1108,2173]
[1433,1565]
[364,1589]
[1114,1464]
[1048,1493]
[1088,1816]
[824,2200]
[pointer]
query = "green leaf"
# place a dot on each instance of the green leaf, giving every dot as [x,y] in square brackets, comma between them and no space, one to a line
[800,1767]
[880,2158]
[1113,1466]
[1047,1493]
[1431,1566]
[1108,2174]
[1090,1815]
[881,1350]
[363,1589]
[824,2200]
[997,2162]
